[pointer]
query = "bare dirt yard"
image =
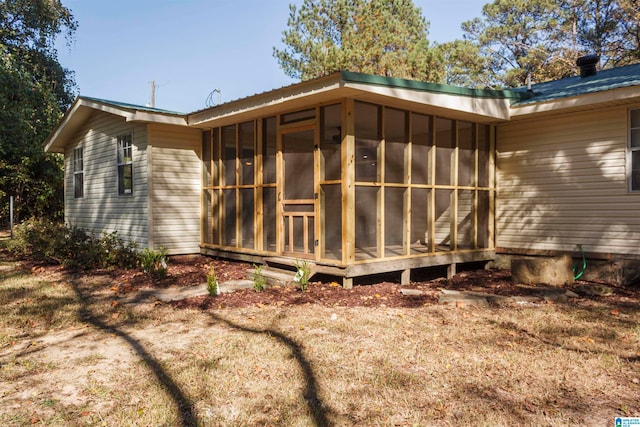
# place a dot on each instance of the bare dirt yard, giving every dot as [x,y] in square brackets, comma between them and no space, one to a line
[81,349]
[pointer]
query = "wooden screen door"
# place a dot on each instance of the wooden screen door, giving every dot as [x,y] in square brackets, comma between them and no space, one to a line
[297,193]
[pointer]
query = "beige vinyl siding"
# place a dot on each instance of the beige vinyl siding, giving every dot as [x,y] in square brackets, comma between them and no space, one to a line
[176,187]
[561,181]
[101,208]
[442,227]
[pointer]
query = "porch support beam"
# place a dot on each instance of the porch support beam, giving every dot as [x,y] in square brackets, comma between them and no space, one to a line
[348,184]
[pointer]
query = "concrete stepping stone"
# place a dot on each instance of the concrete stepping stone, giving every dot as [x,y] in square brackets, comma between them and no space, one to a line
[177,294]
[234,285]
[457,298]
[411,292]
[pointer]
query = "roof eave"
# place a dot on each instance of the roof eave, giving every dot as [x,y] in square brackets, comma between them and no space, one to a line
[135,115]
[82,108]
[441,103]
[297,95]
[484,105]
[621,95]
[422,86]
[51,144]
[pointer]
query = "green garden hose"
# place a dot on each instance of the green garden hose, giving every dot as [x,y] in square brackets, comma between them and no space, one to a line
[584,265]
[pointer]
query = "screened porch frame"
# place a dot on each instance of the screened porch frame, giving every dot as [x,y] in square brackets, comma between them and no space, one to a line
[216,191]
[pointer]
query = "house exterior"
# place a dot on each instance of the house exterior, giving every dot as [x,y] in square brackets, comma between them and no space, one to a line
[363,174]
[131,169]
[568,173]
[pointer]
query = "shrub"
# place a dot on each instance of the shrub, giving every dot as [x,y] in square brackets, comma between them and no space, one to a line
[38,239]
[154,262]
[72,247]
[212,283]
[117,252]
[303,274]
[259,281]
[80,250]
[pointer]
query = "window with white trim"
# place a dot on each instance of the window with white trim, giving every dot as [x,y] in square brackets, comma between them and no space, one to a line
[634,150]
[78,173]
[125,165]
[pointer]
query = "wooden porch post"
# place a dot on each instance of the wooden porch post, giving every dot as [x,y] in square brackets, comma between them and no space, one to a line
[348,187]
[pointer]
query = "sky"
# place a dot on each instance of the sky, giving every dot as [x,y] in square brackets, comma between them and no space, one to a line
[195,48]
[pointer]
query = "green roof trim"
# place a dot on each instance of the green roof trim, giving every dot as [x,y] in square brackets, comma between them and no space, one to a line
[351,77]
[132,106]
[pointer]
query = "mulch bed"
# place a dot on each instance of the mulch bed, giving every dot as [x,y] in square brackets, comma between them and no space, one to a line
[192,270]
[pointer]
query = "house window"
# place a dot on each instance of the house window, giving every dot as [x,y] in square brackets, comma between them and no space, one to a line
[125,165]
[78,173]
[634,150]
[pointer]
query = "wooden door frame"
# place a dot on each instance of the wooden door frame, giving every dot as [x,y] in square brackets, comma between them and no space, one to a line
[310,125]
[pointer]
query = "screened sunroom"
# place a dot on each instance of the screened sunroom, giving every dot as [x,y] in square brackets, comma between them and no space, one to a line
[353,186]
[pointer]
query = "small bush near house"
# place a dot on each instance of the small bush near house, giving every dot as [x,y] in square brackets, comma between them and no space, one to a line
[73,248]
[40,239]
[154,262]
[212,283]
[259,281]
[118,252]
[303,274]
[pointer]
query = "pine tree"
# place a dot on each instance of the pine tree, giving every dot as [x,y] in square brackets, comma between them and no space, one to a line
[630,31]
[382,37]
[542,39]
[595,26]
[464,65]
[518,38]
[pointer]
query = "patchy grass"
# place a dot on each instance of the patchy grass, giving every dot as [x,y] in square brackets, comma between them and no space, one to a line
[70,355]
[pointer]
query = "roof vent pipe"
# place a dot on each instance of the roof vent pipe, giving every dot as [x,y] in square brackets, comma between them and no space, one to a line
[587,65]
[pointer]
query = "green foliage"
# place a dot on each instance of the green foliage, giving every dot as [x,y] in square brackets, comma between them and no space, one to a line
[542,39]
[599,27]
[28,32]
[212,283]
[630,31]
[513,39]
[154,262]
[464,65]
[382,37]
[303,274]
[517,38]
[37,238]
[35,92]
[259,281]
[118,252]
[52,241]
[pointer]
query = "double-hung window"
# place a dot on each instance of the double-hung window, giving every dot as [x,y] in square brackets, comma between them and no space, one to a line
[125,165]
[78,173]
[634,150]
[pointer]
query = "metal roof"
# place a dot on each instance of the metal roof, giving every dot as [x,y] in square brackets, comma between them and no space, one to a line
[609,79]
[132,106]
[462,100]
[421,86]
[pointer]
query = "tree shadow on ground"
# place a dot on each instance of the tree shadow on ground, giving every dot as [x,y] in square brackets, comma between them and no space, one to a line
[316,406]
[557,337]
[184,406]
